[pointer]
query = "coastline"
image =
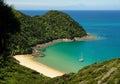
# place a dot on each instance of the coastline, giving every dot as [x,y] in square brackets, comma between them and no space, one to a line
[28,61]
[36,48]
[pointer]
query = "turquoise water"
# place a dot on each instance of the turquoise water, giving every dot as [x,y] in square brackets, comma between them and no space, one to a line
[105,25]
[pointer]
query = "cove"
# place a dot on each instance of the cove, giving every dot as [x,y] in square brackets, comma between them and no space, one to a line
[64,56]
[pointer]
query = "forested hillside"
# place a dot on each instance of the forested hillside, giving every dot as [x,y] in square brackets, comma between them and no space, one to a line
[42,29]
[107,72]
[19,32]
[10,71]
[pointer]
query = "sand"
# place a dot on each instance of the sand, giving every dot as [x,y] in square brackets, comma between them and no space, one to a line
[27,61]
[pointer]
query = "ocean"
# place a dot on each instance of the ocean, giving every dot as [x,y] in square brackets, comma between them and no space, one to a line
[64,56]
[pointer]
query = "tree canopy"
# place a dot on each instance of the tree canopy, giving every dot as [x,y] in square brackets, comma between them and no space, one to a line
[9,24]
[41,29]
[19,32]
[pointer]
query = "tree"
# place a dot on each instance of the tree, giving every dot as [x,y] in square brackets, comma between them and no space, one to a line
[9,24]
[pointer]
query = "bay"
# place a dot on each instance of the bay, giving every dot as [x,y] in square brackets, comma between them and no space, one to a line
[64,56]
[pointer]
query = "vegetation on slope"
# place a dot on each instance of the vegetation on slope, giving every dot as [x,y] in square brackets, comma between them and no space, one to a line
[9,24]
[10,71]
[107,72]
[14,73]
[42,29]
[18,32]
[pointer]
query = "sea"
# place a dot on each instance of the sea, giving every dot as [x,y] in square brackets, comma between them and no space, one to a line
[102,24]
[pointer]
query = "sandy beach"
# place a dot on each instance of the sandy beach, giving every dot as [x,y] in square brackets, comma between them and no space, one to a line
[27,61]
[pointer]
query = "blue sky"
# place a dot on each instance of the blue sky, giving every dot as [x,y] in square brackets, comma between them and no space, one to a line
[65,4]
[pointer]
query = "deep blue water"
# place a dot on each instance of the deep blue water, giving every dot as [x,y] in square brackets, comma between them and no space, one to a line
[104,25]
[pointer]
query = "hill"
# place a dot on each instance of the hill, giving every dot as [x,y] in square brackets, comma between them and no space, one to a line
[19,32]
[55,25]
[41,29]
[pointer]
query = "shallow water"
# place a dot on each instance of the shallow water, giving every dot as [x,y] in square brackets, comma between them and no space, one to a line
[105,25]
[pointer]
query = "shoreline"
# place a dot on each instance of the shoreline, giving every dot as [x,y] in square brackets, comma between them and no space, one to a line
[37,53]
[29,62]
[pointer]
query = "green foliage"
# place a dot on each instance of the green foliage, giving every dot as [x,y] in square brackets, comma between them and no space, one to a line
[41,29]
[20,75]
[9,24]
[92,74]
[10,71]
[19,32]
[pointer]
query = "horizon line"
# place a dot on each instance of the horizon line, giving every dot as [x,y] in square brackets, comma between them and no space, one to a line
[66,10]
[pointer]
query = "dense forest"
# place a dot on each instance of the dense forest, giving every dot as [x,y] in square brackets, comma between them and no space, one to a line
[20,32]
[41,29]
[10,71]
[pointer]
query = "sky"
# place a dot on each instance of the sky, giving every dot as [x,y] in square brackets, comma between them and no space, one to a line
[65,4]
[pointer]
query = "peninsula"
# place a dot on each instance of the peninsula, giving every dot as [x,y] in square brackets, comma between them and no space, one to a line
[19,33]
[54,25]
